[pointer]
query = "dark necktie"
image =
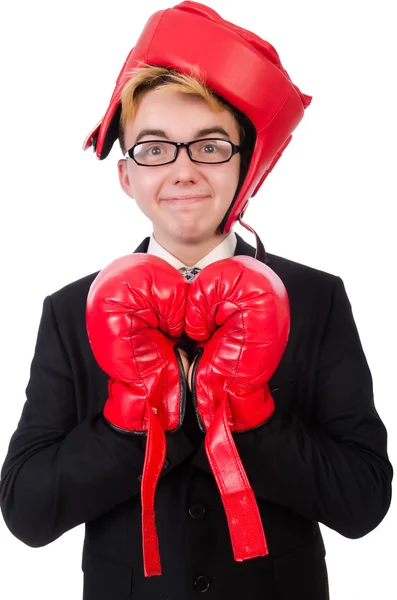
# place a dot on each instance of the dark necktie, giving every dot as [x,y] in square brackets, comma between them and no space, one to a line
[190,425]
[189,273]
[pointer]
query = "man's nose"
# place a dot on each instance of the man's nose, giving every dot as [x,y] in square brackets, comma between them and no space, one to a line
[183,168]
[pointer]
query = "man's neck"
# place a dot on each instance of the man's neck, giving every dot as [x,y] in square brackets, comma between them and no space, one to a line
[189,253]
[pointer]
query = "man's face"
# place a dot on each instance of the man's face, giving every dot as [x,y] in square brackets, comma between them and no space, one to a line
[162,192]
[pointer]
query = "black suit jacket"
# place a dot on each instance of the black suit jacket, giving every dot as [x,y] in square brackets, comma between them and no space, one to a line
[322,457]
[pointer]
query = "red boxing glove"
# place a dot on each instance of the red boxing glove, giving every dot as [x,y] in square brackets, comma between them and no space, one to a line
[135,317]
[238,309]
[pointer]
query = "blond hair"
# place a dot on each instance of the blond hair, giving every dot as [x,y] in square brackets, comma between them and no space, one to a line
[149,77]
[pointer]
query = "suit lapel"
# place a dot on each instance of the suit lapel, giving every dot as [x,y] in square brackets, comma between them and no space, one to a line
[143,246]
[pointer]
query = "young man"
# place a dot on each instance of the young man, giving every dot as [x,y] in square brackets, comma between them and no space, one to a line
[80,453]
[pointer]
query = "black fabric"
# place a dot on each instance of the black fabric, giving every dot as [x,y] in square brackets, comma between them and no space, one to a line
[322,457]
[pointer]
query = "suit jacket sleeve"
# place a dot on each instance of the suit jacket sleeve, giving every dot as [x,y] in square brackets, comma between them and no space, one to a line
[60,470]
[336,471]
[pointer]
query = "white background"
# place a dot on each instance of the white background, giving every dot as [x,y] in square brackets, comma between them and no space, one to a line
[328,204]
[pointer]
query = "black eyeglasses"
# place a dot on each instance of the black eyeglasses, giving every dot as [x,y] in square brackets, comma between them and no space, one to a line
[209,151]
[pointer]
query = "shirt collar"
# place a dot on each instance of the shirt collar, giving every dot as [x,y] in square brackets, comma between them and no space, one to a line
[225,249]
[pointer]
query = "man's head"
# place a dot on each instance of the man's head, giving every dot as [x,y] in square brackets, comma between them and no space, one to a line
[163,105]
[245,71]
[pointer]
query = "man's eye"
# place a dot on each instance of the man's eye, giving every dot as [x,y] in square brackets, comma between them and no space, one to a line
[154,150]
[209,148]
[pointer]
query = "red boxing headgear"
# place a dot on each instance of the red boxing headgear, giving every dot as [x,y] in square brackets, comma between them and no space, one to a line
[239,66]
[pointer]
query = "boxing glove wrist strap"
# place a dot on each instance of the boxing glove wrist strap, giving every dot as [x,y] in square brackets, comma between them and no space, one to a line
[153,465]
[242,513]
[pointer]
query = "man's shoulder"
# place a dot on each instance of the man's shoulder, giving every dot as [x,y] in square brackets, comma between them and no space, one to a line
[286,266]
[306,285]
[79,288]
[73,294]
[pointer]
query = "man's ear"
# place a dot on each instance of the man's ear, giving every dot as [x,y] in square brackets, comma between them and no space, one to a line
[124,177]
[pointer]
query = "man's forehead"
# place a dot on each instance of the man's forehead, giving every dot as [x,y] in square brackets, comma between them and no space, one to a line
[214,130]
[177,116]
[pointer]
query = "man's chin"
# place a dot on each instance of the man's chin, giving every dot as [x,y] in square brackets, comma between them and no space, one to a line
[189,235]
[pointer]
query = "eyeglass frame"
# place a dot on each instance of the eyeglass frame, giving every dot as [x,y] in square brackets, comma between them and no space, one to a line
[178,145]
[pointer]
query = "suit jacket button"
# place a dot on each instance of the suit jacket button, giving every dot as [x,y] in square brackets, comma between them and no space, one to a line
[196,511]
[201,584]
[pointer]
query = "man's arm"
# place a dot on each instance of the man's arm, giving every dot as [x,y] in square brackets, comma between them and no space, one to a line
[337,470]
[59,473]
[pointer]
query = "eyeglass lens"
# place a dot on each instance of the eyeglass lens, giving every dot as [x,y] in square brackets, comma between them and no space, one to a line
[206,151]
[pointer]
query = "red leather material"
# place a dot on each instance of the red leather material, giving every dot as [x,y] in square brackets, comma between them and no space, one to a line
[272,164]
[135,317]
[238,311]
[242,513]
[245,70]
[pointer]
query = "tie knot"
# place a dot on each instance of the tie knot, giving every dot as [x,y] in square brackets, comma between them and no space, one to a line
[189,273]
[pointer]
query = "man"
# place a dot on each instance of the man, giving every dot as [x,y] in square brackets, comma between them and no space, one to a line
[321,457]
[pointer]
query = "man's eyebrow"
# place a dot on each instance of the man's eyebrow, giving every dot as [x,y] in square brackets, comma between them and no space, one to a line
[199,133]
[155,132]
[208,130]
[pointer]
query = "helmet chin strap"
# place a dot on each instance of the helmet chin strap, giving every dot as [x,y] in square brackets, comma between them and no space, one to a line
[260,253]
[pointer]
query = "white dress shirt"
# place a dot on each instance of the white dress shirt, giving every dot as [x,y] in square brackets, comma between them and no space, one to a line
[225,249]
